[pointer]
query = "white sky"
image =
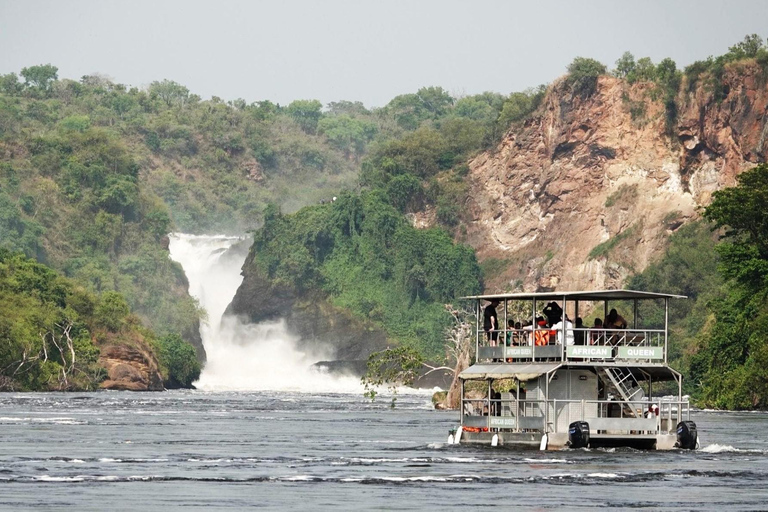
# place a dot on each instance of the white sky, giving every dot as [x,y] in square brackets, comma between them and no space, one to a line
[356,49]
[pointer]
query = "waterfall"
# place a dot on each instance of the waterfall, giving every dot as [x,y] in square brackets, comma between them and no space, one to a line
[241,355]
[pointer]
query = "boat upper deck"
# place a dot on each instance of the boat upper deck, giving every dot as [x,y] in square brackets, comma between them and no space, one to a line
[541,328]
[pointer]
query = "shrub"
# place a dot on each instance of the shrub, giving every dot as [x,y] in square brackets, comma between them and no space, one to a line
[178,357]
[583,73]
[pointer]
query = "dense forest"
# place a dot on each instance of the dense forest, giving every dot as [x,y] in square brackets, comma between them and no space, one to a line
[94,175]
[720,335]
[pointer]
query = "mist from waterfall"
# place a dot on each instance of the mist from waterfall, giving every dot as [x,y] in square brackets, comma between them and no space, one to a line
[241,355]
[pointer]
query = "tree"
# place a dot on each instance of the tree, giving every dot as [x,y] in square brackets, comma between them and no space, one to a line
[645,71]
[351,108]
[172,93]
[435,100]
[732,362]
[583,73]
[741,210]
[392,367]
[459,342]
[410,110]
[519,105]
[306,113]
[347,133]
[9,84]
[40,77]
[667,74]
[112,310]
[748,48]
[625,65]
[178,357]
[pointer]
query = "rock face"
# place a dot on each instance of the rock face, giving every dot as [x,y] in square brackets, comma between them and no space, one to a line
[318,323]
[583,195]
[129,368]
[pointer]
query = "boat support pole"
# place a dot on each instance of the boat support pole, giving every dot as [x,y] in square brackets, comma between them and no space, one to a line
[666,331]
[477,331]
[634,321]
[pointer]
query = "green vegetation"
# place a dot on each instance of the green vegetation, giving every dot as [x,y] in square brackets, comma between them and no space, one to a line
[392,367]
[582,76]
[368,259]
[178,359]
[603,249]
[712,70]
[94,175]
[45,340]
[51,328]
[719,336]
[667,79]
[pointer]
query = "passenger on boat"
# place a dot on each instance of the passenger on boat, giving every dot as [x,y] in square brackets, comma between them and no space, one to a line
[568,327]
[615,321]
[553,312]
[597,334]
[491,322]
[579,335]
[510,338]
[541,334]
[526,337]
[495,403]
[518,338]
[653,411]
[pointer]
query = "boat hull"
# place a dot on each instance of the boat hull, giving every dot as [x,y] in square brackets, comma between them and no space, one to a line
[559,441]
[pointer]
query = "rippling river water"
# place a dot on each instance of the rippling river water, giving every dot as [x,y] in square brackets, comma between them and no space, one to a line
[198,450]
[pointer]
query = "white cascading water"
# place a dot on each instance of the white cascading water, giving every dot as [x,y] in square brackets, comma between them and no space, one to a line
[244,356]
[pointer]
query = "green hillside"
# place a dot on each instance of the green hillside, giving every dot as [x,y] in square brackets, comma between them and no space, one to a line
[94,174]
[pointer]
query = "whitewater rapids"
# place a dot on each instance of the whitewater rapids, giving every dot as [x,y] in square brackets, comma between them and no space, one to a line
[242,356]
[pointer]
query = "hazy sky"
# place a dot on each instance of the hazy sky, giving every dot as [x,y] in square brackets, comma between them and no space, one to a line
[358,50]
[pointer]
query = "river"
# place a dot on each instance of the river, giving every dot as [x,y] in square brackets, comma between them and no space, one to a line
[265,430]
[196,450]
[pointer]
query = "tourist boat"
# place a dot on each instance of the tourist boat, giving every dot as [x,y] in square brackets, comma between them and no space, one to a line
[557,386]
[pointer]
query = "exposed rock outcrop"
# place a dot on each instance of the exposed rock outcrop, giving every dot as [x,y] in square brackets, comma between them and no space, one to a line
[583,195]
[129,368]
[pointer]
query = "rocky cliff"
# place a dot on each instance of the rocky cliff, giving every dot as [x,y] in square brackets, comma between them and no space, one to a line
[588,189]
[329,330]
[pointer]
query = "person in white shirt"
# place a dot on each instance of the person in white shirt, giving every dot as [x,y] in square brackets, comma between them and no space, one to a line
[568,331]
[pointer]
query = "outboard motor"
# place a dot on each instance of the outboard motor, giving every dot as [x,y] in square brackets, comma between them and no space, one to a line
[578,434]
[686,435]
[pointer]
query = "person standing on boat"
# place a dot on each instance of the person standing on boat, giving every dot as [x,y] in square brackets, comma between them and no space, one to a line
[568,327]
[491,322]
[579,335]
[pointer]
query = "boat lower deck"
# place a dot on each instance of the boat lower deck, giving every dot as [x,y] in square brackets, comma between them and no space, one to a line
[559,441]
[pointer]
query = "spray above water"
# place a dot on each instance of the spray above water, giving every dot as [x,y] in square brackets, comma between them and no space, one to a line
[244,356]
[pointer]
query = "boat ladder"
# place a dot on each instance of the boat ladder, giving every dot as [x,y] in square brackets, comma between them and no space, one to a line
[626,386]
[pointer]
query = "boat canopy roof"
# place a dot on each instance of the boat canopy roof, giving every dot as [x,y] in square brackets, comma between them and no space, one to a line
[507,371]
[526,372]
[594,295]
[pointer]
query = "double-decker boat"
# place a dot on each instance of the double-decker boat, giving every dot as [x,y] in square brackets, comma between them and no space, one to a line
[540,381]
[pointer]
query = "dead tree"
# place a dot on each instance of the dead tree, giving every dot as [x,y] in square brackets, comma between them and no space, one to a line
[459,344]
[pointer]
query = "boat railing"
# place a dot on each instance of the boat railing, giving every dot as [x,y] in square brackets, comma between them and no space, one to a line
[603,416]
[641,346]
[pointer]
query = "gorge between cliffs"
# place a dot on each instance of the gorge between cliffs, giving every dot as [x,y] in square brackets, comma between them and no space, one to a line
[242,355]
